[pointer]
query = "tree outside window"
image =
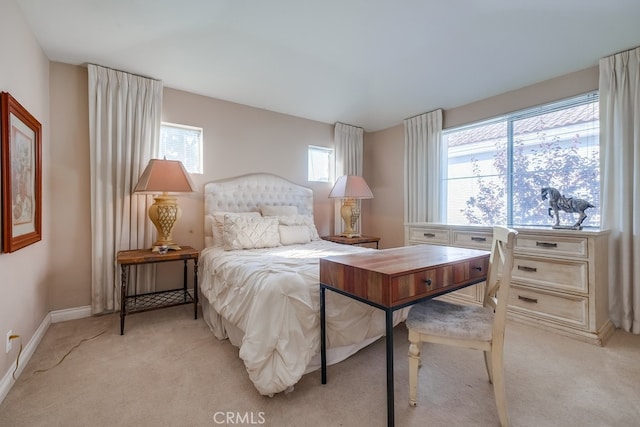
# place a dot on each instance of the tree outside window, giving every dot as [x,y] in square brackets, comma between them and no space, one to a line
[496,169]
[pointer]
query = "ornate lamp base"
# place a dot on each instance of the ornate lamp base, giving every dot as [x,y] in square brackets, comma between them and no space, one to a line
[350,214]
[164,214]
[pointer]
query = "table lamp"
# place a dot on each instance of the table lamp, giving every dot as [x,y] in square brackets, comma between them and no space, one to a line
[349,188]
[165,176]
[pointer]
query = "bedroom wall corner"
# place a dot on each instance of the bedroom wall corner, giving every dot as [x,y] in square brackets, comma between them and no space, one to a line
[70,182]
[383,169]
[24,274]
[238,140]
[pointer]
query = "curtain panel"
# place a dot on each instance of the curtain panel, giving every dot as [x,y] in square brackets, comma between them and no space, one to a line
[423,167]
[124,125]
[348,156]
[620,183]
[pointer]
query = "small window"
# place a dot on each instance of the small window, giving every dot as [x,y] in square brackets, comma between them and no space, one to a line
[320,164]
[183,143]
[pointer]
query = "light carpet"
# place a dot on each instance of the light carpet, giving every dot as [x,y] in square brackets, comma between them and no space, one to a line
[169,370]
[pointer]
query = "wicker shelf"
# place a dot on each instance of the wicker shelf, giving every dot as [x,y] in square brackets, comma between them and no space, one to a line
[161,299]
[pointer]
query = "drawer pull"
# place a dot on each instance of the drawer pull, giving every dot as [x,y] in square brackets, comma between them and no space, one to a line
[427,282]
[477,268]
[479,239]
[429,235]
[527,299]
[525,268]
[547,244]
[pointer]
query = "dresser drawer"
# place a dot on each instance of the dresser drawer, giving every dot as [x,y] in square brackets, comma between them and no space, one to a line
[437,236]
[471,239]
[550,273]
[428,282]
[566,309]
[552,245]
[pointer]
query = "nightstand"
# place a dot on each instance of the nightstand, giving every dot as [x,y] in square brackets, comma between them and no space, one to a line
[160,299]
[353,240]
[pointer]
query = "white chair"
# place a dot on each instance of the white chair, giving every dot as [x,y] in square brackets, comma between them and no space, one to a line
[469,326]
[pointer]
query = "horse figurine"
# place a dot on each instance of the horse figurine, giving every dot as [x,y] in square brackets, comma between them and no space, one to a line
[558,202]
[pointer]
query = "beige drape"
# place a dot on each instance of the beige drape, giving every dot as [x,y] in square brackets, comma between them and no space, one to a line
[349,153]
[423,167]
[124,126]
[620,183]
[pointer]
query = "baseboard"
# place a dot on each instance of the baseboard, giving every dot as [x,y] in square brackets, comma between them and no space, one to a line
[70,314]
[27,350]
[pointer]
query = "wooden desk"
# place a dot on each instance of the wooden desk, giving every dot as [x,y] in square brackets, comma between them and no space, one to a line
[153,300]
[390,279]
[360,240]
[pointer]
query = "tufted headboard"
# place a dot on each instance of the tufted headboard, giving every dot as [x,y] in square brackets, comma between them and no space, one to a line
[246,193]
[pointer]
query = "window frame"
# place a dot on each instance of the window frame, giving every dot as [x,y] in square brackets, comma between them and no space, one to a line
[331,153]
[200,147]
[509,119]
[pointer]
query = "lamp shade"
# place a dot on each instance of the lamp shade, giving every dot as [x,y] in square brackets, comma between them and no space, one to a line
[166,176]
[351,187]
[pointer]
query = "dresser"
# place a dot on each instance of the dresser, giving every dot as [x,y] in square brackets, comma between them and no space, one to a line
[559,280]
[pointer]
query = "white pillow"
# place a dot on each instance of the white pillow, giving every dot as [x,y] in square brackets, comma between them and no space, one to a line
[248,232]
[268,210]
[293,234]
[301,220]
[217,223]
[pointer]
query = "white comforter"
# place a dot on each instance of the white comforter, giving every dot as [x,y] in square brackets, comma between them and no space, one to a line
[272,295]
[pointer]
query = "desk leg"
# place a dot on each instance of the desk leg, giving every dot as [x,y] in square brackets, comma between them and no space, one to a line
[389,341]
[195,288]
[323,337]
[123,295]
[184,280]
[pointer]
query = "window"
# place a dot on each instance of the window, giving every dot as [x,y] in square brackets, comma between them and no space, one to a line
[496,168]
[320,164]
[184,143]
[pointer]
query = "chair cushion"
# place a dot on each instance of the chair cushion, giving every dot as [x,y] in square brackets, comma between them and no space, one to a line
[444,319]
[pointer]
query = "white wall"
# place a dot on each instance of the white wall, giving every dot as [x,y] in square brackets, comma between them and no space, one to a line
[24,274]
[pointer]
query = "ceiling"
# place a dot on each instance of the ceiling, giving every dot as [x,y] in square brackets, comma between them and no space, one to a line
[362,62]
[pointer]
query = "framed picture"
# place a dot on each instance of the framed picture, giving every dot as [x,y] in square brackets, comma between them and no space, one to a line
[21,137]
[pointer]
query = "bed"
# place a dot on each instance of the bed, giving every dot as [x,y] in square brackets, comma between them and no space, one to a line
[259,282]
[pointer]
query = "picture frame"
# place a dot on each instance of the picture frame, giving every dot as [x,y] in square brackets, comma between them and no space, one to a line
[21,160]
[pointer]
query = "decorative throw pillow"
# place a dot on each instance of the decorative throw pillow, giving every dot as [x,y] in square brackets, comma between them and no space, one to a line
[294,234]
[268,210]
[301,220]
[217,224]
[248,232]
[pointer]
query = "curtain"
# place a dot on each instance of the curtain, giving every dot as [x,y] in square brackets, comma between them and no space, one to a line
[422,167]
[620,186]
[124,126]
[349,152]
